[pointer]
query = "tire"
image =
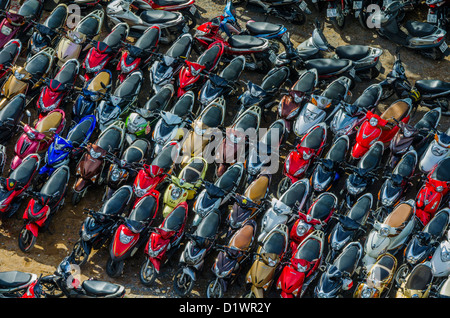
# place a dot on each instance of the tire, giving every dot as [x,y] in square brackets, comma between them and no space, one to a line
[114,269]
[283,185]
[338,24]
[76,198]
[148,273]
[215,289]
[182,283]
[80,257]
[400,274]
[26,240]
[248,294]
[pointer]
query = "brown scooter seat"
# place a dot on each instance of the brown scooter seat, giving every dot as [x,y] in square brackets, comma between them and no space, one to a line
[400,216]
[397,110]
[257,189]
[243,237]
[52,120]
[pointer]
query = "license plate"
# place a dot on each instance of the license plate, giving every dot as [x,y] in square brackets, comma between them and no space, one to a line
[443,47]
[331,13]
[357,5]
[378,65]
[186,28]
[272,57]
[285,38]
[193,10]
[303,5]
[431,18]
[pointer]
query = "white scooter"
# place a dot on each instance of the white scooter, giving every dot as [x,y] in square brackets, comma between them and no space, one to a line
[440,262]
[437,150]
[390,234]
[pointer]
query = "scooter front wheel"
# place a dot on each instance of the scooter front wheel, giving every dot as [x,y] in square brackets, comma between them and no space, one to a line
[215,289]
[114,269]
[400,275]
[26,240]
[284,184]
[148,273]
[80,257]
[76,197]
[182,283]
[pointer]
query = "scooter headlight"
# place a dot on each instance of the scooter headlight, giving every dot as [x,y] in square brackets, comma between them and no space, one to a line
[94,154]
[373,122]
[384,231]
[125,239]
[175,193]
[139,192]
[437,151]
[302,228]
[439,188]
[19,75]
[115,174]
[366,293]
[299,171]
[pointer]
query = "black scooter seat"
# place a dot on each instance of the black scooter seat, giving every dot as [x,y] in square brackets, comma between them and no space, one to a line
[326,66]
[432,86]
[148,39]
[100,288]
[24,171]
[13,279]
[352,52]
[68,73]
[314,139]
[170,2]
[245,41]
[263,27]
[8,52]
[158,16]
[420,29]
[56,183]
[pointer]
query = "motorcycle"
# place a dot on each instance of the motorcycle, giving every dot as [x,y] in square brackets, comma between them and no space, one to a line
[132,233]
[268,257]
[339,276]
[40,137]
[42,207]
[10,117]
[138,56]
[285,209]
[163,242]
[294,11]
[12,188]
[105,52]
[322,108]
[75,42]
[47,33]
[93,166]
[303,267]
[425,38]
[139,15]
[99,226]
[191,75]
[217,194]
[434,193]
[436,151]
[351,115]
[300,159]
[418,283]
[231,259]
[124,97]
[58,90]
[196,249]
[381,127]
[392,233]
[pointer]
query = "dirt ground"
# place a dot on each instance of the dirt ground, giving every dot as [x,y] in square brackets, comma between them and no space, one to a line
[52,246]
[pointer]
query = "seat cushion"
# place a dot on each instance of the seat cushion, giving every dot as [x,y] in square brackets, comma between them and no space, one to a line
[398,110]
[401,214]
[158,16]
[52,120]
[257,189]
[352,52]
[263,27]
[432,86]
[245,41]
[325,66]
[419,29]
[99,288]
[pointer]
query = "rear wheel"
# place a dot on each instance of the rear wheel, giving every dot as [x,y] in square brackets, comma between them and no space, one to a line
[76,197]
[26,239]
[182,283]
[401,274]
[338,22]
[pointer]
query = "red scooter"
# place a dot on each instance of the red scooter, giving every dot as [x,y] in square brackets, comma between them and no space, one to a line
[381,127]
[56,90]
[43,206]
[303,266]
[191,75]
[137,56]
[317,218]
[186,7]
[163,242]
[106,51]
[299,160]
[12,188]
[132,233]
[434,192]
[39,138]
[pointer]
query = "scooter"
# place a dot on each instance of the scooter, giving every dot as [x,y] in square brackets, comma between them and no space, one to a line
[133,233]
[425,38]
[12,188]
[163,242]
[269,255]
[434,193]
[351,115]
[10,117]
[294,11]
[217,194]
[231,259]
[40,137]
[194,254]
[339,276]
[99,226]
[317,217]
[436,151]
[350,226]
[58,90]
[440,261]
[321,108]
[14,284]
[77,41]
[139,15]
[285,209]
[166,66]
[8,57]
[418,283]
[301,158]
[42,207]
[105,52]
[191,75]
[438,11]
[378,280]
[303,267]
[138,56]
[118,103]
[328,170]
[392,233]
[381,127]
[93,166]
[47,33]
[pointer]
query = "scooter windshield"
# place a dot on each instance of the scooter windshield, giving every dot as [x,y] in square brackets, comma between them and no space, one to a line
[170,118]
[256,90]
[279,207]
[319,40]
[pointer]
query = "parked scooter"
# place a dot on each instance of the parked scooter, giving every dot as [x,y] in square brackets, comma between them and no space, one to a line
[440,261]
[186,7]
[303,266]
[42,207]
[339,276]
[437,150]
[292,11]
[231,259]
[10,117]
[14,284]
[8,57]
[268,257]
[418,283]
[163,242]
[438,13]
[99,226]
